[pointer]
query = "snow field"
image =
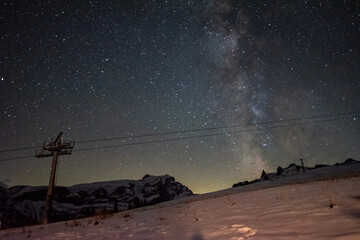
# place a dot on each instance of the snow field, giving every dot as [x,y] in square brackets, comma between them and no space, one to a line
[319,210]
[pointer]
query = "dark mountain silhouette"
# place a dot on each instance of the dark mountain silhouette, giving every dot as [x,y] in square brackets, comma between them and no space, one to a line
[24,205]
[291,170]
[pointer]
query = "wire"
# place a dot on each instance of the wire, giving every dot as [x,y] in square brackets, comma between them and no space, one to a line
[214,128]
[14,158]
[19,149]
[348,116]
[206,135]
[192,130]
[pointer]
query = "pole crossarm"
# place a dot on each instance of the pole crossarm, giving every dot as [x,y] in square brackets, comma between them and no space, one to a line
[61,148]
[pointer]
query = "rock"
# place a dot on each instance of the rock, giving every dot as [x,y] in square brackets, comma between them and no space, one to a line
[264,176]
[24,205]
[349,160]
[321,165]
[291,170]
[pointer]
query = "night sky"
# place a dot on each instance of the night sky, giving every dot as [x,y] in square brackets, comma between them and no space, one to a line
[106,69]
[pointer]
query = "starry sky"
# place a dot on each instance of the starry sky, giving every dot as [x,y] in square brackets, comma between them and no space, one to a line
[107,69]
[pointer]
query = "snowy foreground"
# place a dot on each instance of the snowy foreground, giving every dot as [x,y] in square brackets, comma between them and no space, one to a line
[326,205]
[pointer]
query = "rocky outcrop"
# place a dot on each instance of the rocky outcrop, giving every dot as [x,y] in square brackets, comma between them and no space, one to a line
[291,170]
[24,205]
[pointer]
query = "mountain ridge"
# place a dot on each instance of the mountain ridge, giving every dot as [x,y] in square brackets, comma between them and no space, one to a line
[23,205]
[292,170]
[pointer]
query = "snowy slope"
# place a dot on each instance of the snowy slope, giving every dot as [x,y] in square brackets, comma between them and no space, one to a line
[326,206]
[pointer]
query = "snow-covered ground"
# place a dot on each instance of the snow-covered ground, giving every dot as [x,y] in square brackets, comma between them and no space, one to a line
[326,206]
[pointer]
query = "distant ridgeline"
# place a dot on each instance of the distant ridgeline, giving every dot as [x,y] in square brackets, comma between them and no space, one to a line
[24,205]
[291,170]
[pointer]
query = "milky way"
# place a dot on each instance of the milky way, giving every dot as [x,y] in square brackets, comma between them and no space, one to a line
[101,69]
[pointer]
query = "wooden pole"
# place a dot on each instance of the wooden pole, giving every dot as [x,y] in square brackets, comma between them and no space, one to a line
[49,196]
[302,164]
[54,146]
[54,149]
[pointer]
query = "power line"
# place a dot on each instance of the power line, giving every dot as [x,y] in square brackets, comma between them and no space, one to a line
[208,135]
[193,130]
[15,158]
[201,136]
[19,149]
[214,128]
